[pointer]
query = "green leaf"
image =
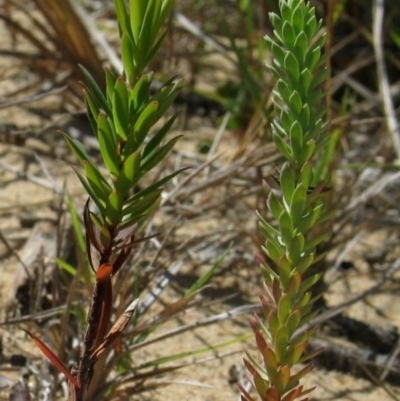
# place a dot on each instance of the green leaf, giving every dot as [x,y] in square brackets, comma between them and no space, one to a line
[142,205]
[140,94]
[310,27]
[113,208]
[276,22]
[141,129]
[291,67]
[92,107]
[204,278]
[97,182]
[76,224]
[95,91]
[281,341]
[99,202]
[284,308]
[301,47]
[295,103]
[274,205]
[108,145]
[295,249]
[127,58]
[298,15]
[156,185]
[129,174]
[274,251]
[122,16]
[287,184]
[292,322]
[273,322]
[296,140]
[282,146]
[297,204]
[267,230]
[155,141]
[283,90]
[110,83]
[120,109]
[305,262]
[77,148]
[156,157]
[286,228]
[288,34]
[309,282]
[286,11]
[137,10]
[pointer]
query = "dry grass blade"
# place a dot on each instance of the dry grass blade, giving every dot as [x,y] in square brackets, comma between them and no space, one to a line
[72,35]
[389,108]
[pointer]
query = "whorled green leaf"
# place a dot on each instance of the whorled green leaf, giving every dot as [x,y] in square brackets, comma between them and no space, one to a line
[273,323]
[140,94]
[293,285]
[120,111]
[296,140]
[282,146]
[274,205]
[316,240]
[92,108]
[108,145]
[291,67]
[293,322]
[122,17]
[283,90]
[295,249]
[298,16]
[96,180]
[140,129]
[295,103]
[151,188]
[150,20]
[160,154]
[274,250]
[113,208]
[309,282]
[142,205]
[286,11]
[77,148]
[129,173]
[97,94]
[268,231]
[281,342]
[155,48]
[300,48]
[287,184]
[137,10]
[294,353]
[166,95]
[127,58]
[284,308]
[282,379]
[155,141]
[111,79]
[304,117]
[298,203]
[261,385]
[288,34]
[311,26]
[98,201]
[287,120]
[305,261]
[276,22]
[284,270]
